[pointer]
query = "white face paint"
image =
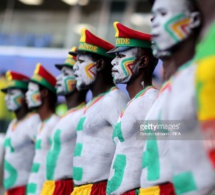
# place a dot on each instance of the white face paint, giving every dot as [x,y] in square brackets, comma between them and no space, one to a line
[66,81]
[33,95]
[124,67]
[14,99]
[85,71]
[172,22]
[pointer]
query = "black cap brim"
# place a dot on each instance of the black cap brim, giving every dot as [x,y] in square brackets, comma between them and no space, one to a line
[59,66]
[118,49]
[75,53]
[4,90]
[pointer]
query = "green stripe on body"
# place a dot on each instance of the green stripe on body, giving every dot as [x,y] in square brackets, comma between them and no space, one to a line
[78,149]
[80,124]
[35,168]
[53,154]
[77,173]
[31,188]
[13,175]
[184,183]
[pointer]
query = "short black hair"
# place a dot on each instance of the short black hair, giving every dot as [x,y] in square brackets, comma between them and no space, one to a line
[152,60]
[107,68]
[52,97]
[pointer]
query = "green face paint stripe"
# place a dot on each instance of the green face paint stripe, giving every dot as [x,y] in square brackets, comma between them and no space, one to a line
[66,83]
[35,168]
[7,143]
[119,167]
[77,173]
[184,183]
[118,132]
[78,149]
[123,64]
[13,175]
[31,188]
[38,144]
[53,154]
[168,27]
[150,158]
[80,124]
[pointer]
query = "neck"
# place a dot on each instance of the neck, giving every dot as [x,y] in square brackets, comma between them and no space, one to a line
[180,57]
[135,85]
[100,85]
[207,9]
[45,111]
[21,113]
[74,99]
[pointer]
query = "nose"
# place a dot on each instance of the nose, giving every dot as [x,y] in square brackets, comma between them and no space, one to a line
[154,21]
[6,97]
[114,62]
[75,67]
[59,78]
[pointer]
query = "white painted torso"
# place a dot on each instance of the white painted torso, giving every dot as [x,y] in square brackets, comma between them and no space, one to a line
[19,150]
[38,170]
[188,157]
[63,139]
[94,146]
[125,176]
[156,168]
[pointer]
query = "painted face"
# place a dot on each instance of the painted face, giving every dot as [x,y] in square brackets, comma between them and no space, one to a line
[33,95]
[14,99]
[172,22]
[66,81]
[124,66]
[85,71]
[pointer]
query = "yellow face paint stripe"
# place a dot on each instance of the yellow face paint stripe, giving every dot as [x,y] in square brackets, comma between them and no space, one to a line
[87,70]
[177,27]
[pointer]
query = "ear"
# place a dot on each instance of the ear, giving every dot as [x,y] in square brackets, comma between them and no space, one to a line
[195,19]
[44,93]
[144,61]
[100,64]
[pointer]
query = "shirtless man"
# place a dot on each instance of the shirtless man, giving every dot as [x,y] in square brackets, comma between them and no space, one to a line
[59,161]
[175,31]
[41,95]
[20,136]
[133,65]
[205,77]
[94,146]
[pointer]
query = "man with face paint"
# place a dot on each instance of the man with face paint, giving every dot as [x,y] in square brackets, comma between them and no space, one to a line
[133,65]
[20,136]
[41,95]
[205,77]
[60,155]
[94,148]
[175,160]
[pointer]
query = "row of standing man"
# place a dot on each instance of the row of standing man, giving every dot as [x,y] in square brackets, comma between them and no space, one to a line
[108,145]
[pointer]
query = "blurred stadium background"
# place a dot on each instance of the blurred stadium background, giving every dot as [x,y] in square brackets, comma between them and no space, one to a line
[33,31]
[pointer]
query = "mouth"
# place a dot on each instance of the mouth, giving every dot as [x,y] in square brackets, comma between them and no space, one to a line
[114,71]
[76,75]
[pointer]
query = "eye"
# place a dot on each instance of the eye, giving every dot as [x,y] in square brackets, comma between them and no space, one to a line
[80,61]
[119,55]
[152,19]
